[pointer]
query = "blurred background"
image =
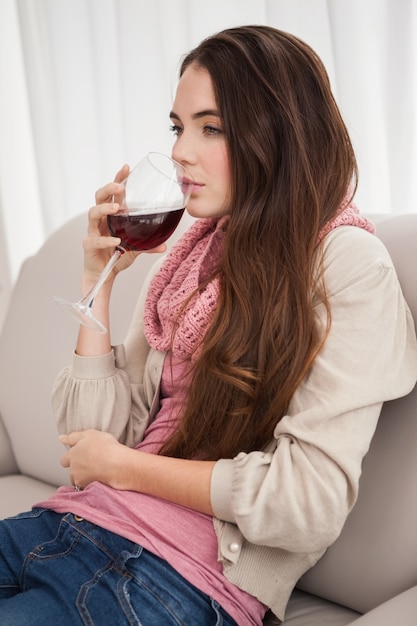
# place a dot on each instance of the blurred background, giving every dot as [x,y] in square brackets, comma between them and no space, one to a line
[87,85]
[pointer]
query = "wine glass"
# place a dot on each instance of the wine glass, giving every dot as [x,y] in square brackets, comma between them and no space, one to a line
[156,193]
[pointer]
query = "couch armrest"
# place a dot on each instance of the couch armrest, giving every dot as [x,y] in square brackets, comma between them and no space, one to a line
[7,460]
[401,609]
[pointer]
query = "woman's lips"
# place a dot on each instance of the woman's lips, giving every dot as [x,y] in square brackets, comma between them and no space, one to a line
[186,182]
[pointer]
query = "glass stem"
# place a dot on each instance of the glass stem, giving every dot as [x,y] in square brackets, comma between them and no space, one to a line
[89,298]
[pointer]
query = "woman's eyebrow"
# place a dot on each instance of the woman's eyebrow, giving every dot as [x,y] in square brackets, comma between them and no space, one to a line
[198,115]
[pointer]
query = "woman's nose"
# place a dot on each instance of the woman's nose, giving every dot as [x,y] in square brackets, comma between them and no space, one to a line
[183,151]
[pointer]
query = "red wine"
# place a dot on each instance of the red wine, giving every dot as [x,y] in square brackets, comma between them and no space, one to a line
[143,232]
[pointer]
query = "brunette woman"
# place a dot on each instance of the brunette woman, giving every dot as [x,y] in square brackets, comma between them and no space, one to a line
[216,454]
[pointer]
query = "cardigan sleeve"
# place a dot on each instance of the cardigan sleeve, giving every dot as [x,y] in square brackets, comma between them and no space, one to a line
[113,392]
[296,494]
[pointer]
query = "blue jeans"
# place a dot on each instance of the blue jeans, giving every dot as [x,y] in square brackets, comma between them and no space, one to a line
[61,569]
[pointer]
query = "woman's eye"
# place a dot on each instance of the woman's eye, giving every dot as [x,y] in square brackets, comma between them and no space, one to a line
[212,130]
[175,129]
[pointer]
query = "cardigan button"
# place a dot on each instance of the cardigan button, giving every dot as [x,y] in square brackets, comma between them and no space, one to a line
[234,547]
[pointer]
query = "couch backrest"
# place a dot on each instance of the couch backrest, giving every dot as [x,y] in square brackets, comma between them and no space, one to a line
[37,340]
[375,556]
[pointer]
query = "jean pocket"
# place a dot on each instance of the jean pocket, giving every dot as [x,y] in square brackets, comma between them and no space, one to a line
[45,558]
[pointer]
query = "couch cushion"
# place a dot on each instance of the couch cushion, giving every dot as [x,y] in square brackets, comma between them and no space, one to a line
[305,609]
[7,460]
[19,493]
[401,610]
[375,557]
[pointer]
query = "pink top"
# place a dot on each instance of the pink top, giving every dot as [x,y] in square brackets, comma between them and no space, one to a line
[184,538]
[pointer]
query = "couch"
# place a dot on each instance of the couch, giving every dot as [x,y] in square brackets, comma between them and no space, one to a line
[367,578]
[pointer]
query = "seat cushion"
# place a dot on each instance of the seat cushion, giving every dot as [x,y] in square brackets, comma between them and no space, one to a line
[305,609]
[19,493]
[401,610]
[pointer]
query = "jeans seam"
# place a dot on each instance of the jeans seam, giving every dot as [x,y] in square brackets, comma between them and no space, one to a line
[33,514]
[124,600]
[81,603]
[86,535]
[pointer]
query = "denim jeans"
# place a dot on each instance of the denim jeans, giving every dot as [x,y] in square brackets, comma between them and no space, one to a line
[60,569]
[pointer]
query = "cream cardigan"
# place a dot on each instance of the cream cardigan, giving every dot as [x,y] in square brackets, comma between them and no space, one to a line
[277,510]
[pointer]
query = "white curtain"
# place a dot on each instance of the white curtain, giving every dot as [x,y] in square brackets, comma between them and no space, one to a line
[86,85]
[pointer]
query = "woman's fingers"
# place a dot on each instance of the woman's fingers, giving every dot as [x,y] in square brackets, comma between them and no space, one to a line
[108,199]
[96,215]
[100,242]
[115,188]
[108,192]
[122,174]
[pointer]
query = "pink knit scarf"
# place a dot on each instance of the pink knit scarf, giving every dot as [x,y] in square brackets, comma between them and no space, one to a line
[168,325]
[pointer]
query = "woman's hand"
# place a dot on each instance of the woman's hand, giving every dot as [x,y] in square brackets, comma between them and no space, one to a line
[99,244]
[93,455]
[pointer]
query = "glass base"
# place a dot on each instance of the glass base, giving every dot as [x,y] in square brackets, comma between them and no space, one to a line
[81,313]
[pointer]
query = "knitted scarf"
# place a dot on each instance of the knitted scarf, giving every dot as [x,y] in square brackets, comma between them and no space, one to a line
[167,324]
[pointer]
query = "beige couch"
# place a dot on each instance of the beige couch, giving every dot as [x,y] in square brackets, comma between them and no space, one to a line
[372,567]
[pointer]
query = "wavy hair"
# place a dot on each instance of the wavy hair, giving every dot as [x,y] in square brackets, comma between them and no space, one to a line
[291,164]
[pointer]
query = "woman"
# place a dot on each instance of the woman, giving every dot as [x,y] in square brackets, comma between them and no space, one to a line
[216,454]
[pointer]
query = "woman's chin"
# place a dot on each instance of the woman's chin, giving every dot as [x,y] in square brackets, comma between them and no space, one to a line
[200,212]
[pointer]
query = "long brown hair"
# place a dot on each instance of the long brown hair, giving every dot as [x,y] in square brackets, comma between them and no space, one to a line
[291,164]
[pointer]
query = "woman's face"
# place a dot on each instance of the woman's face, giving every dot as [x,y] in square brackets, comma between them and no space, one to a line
[200,144]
